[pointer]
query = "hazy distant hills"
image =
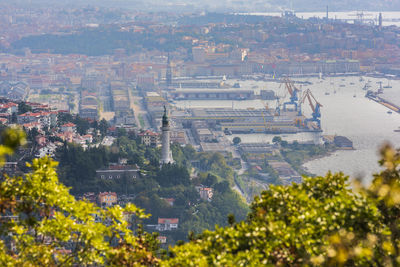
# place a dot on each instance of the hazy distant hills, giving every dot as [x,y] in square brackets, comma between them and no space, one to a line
[226,5]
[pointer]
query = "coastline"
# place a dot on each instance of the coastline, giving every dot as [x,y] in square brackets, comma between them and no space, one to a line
[327,154]
[305,169]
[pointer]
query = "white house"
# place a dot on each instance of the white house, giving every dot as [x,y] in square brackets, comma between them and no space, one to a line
[167,224]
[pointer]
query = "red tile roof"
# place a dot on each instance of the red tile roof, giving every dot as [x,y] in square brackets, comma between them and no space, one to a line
[148,132]
[168,220]
[108,194]
[69,124]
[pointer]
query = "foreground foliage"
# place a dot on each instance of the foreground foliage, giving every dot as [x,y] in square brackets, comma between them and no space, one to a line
[321,222]
[43,225]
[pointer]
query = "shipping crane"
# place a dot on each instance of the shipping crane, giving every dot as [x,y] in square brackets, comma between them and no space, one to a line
[265,121]
[380,90]
[278,107]
[294,92]
[362,17]
[316,109]
[263,116]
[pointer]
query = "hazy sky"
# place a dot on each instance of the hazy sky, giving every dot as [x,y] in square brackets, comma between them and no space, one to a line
[226,5]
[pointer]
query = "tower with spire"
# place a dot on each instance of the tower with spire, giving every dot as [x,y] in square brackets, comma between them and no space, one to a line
[166,154]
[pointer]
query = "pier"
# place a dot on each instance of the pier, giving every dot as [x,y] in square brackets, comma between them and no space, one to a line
[217,94]
[250,120]
[382,101]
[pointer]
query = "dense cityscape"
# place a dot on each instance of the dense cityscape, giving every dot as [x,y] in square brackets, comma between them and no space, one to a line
[197,117]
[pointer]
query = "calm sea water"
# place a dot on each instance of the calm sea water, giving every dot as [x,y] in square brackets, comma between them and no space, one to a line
[365,122]
[351,15]
[345,112]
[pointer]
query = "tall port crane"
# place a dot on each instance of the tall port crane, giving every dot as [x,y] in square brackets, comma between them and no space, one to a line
[278,107]
[316,108]
[294,92]
[362,17]
[263,116]
[380,90]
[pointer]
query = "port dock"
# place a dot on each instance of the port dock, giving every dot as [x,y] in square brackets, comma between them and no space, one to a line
[250,120]
[374,97]
[214,94]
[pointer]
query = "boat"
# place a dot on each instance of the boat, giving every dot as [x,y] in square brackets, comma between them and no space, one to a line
[380,90]
[342,142]
[236,85]
[227,131]
[366,86]
[388,85]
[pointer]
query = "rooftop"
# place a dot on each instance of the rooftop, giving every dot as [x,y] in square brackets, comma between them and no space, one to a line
[168,220]
[69,124]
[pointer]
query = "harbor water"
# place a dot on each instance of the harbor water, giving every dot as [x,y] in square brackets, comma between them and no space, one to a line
[367,123]
[345,112]
[389,18]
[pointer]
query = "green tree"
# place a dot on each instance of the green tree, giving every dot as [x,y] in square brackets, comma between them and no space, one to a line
[236,140]
[121,132]
[210,180]
[172,174]
[276,140]
[286,226]
[381,247]
[321,222]
[103,126]
[14,117]
[64,117]
[23,108]
[82,125]
[43,225]
[31,135]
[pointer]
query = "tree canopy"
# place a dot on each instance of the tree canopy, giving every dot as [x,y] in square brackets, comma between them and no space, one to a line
[236,140]
[43,225]
[321,222]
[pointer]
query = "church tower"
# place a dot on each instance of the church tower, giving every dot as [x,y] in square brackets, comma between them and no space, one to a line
[166,154]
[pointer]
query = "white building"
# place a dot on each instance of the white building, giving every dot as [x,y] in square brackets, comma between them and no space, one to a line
[167,224]
[206,193]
